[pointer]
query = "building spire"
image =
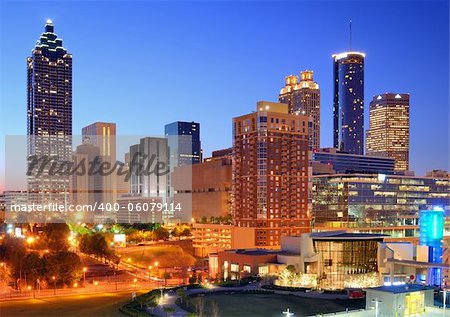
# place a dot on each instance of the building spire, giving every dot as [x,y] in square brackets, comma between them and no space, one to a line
[49,26]
[350,35]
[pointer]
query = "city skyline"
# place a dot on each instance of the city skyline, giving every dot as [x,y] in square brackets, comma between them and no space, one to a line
[216,129]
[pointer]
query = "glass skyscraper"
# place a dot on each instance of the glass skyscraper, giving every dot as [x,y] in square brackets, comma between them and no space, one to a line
[348,106]
[49,113]
[184,143]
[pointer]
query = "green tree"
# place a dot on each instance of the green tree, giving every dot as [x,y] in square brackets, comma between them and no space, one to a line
[32,267]
[161,233]
[56,235]
[65,266]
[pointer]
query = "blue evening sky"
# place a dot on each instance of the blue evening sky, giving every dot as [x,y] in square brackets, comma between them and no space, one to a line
[143,64]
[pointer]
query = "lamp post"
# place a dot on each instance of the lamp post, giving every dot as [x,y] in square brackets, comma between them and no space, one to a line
[84,276]
[54,284]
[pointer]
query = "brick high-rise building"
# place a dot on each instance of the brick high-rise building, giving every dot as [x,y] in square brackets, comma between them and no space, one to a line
[304,98]
[388,133]
[270,173]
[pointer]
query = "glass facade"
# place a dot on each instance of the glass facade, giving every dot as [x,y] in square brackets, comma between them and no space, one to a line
[340,259]
[348,108]
[184,143]
[431,235]
[377,202]
[344,163]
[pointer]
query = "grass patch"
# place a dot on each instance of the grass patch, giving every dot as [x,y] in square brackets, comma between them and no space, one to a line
[166,255]
[243,304]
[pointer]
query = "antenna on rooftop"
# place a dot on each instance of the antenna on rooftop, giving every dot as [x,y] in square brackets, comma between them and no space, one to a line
[350,35]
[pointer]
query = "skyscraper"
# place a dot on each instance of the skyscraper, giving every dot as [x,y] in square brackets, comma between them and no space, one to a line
[184,143]
[270,173]
[348,107]
[149,166]
[49,113]
[388,133]
[103,136]
[304,98]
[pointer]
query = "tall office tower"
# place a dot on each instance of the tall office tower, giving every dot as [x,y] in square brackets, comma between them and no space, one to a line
[304,98]
[388,133]
[348,107]
[184,143]
[270,173]
[103,135]
[49,114]
[86,189]
[149,169]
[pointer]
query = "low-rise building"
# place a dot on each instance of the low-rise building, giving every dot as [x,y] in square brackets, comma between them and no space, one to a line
[211,238]
[377,203]
[207,192]
[401,300]
[346,163]
[332,256]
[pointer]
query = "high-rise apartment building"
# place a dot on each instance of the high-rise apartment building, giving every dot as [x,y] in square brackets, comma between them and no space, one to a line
[49,114]
[270,173]
[304,98]
[103,136]
[388,133]
[348,106]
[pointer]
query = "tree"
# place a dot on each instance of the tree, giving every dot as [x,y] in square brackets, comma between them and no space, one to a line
[12,251]
[56,236]
[161,233]
[94,244]
[32,267]
[199,278]
[192,278]
[65,266]
[186,232]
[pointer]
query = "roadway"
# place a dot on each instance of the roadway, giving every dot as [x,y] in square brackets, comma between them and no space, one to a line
[98,305]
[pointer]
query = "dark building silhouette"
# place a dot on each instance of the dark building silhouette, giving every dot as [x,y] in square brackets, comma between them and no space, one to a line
[348,106]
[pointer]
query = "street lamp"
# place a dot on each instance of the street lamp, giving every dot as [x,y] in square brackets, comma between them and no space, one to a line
[54,284]
[84,275]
